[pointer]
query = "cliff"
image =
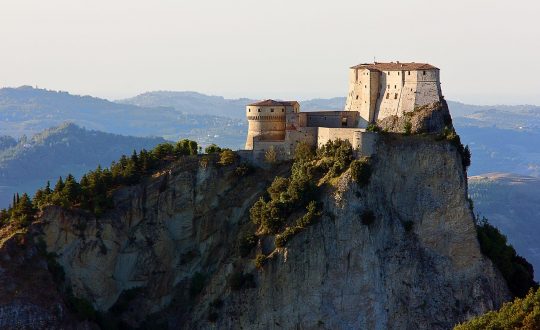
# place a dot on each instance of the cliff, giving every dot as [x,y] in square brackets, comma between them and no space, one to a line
[167,253]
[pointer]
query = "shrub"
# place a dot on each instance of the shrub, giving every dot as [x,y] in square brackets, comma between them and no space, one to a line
[197,284]
[226,157]
[303,152]
[204,162]
[278,186]
[368,217]
[407,127]
[361,171]
[246,244]
[243,170]
[517,272]
[212,149]
[519,314]
[260,260]
[372,127]
[286,235]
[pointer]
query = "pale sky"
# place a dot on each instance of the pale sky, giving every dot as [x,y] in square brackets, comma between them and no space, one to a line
[488,50]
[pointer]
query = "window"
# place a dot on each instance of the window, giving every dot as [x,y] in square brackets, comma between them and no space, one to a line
[398,73]
[388,72]
[258,110]
[282,110]
[395,86]
[387,95]
[272,110]
[365,86]
[388,86]
[249,110]
[344,122]
[357,97]
[395,96]
[424,73]
[409,73]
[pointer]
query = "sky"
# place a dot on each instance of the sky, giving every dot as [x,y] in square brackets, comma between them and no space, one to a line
[488,50]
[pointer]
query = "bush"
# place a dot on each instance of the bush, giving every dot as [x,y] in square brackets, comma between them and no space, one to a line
[368,217]
[517,272]
[246,244]
[226,157]
[372,127]
[243,170]
[303,152]
[286,235]
[212,149]
[361,171]
[407,127]
[519,314]
[197,284]
[260,260]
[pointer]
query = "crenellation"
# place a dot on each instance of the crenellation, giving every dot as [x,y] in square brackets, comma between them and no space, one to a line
[376,91]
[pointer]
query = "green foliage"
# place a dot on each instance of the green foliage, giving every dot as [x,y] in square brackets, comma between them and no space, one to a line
[361,171]
[517,272]
[260,260]
[239,280]
[450,135]
[368,217]
[341,154]
[519,314]
[197,284]
[303,152]
[186,147]
[246,244]
[243,170]
[268,215]
[226,157]
[373,128]
[407,127]
[301,223]
[212,149]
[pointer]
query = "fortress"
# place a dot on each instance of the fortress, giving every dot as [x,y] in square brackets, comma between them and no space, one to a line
[376,91]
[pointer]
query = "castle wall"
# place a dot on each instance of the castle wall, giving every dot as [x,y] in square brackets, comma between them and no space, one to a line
[391,90]
[363,93]
[365,142]
[331,119]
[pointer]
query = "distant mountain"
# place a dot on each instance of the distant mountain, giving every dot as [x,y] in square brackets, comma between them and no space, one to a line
[56,152]
[511,203]
[27,111]
[191,103]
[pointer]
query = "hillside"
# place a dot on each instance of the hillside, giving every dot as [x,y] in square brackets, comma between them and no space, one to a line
[512,204]
[55,152]
[171,239]
[27,111]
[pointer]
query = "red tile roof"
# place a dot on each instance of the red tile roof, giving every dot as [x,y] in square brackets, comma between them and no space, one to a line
[395,66]
[267,103]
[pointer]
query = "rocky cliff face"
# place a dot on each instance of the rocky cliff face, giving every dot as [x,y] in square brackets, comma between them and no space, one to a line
[166,254]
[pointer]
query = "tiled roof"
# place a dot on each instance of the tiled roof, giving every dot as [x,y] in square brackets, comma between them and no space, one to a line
[397,66]
[267,103]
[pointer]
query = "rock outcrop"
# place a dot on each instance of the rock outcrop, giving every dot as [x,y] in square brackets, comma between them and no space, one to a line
[431,119]
[167,253]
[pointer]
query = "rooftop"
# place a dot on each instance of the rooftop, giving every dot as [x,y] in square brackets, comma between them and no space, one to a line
[267,103]
[395,66]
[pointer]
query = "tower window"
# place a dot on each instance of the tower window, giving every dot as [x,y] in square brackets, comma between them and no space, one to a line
[272,110]
[388,87]
[395,86]
[258,110]
[249,110]
[387,95]
[357,97]
[365,86]
[388,72]
[395,96]
[424,73]
[282,110]
[409,73]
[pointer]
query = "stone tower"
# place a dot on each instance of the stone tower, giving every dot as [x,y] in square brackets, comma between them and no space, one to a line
[267,120]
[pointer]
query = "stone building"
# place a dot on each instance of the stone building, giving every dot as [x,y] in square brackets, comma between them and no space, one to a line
[376,91]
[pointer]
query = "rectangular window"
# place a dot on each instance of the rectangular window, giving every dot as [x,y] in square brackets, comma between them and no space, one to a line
[344,122]
[271,110]
[357,97]
[387,95]
[409,73]
[365,86]
[424,73]
[395,96]
[388,87]
[258,110]
[395,86]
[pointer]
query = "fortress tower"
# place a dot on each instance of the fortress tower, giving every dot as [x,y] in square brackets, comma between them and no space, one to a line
[267,120]
[379,90]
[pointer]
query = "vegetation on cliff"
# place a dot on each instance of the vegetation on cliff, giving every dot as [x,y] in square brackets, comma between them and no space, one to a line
[522,313]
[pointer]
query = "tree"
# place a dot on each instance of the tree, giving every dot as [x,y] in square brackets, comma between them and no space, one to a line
[303,152]
[226,157]
[212,149]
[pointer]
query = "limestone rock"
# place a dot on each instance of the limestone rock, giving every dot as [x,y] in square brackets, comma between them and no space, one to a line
[431,118]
